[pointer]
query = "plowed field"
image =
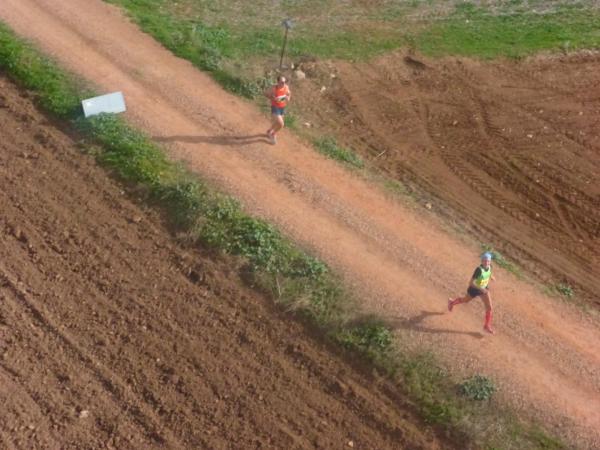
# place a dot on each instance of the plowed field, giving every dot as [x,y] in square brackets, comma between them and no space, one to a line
[111,336]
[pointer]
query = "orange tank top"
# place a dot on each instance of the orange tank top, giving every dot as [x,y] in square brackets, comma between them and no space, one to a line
[280,92]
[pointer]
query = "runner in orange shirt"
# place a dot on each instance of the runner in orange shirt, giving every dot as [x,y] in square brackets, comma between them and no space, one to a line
[280,95]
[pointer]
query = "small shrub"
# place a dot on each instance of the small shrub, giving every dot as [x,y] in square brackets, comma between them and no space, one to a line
[565,290]
[303,265]
[257,240]
[477,387]
[183,201]
[371,337]
[329,147]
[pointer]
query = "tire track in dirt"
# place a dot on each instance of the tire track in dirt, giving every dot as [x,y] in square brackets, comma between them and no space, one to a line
[364,244]
[489,130]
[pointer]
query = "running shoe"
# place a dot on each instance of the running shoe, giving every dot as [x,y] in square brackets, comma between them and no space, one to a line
[489,329]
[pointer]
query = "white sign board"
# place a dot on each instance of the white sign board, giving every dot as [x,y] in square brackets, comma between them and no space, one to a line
[109,103]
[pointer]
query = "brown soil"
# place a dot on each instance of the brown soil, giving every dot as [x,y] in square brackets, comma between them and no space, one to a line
[511,148]
[111,336]
[545,358]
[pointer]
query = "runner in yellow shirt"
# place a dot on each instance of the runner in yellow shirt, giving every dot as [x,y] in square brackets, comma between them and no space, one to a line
[478,287]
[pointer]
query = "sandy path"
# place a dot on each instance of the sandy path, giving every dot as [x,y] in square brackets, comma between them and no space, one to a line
[546,356]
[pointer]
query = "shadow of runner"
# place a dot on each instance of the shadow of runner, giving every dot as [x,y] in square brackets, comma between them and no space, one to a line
[220,140]
[414,323]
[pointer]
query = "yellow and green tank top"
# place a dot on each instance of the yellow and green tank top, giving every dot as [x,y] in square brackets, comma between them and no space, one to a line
[483,279]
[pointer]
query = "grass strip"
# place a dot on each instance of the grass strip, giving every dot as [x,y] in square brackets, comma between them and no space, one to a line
[275,265]
[231,35]
[237,30]
[475,31]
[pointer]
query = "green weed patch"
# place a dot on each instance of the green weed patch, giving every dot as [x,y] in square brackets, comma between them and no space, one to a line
[127,151]
[373,339]
[477,387]
[329,147]
[565,290]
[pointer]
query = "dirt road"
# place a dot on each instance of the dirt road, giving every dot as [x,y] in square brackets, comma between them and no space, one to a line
[113,337]
[546,355]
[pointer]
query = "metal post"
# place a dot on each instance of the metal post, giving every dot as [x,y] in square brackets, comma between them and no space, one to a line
[283,48]
[287,23]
